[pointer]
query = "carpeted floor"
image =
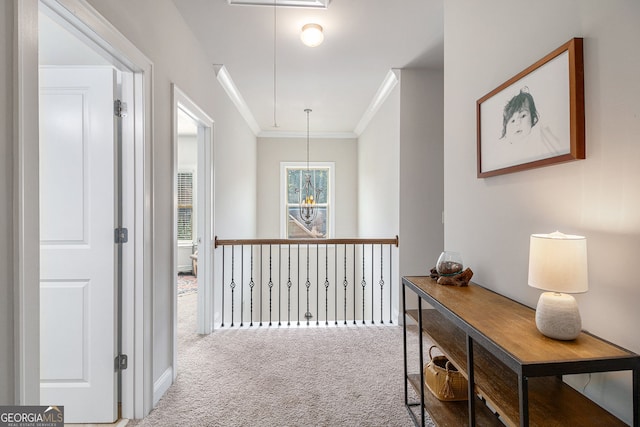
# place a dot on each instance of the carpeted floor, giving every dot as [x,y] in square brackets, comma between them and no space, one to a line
[351,376]
[187,284]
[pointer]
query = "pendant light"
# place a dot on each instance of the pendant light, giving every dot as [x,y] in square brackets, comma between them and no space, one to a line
[308,193]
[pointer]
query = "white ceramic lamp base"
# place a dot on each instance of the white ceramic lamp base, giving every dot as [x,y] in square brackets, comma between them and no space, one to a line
[557,316]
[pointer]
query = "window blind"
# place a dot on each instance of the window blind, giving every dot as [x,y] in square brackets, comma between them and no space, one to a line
[185,205]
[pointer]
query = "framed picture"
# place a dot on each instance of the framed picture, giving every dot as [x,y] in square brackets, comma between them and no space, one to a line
[536,118]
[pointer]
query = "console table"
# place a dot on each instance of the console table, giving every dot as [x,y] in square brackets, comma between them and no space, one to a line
[514,372]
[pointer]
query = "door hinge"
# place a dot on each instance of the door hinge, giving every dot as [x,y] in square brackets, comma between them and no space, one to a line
[122,361]
[119,108]
[121,235]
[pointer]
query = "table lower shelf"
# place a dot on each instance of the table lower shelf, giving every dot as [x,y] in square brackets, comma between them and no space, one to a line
[453,414]
[551,401]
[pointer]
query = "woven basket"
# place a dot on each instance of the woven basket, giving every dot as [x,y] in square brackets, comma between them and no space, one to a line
[444,380]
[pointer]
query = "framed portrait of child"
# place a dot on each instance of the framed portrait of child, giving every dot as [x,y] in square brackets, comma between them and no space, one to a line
[536,118]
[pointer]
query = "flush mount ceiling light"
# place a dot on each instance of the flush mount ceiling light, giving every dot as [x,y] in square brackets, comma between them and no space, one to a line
[312,35]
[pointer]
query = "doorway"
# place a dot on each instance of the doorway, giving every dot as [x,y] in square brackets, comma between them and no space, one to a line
[193,219]
[131,74]
[187,223]
[79,209]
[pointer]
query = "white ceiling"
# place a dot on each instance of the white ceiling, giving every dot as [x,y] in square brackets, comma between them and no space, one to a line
[364,40]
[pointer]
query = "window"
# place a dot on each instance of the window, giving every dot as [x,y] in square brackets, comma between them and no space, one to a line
[185,206]
[294,177]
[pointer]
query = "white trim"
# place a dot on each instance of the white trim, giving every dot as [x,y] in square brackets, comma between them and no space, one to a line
[225,80]
[99,30]
[137,382]
[161,386]
[26,205]
[331,200]
[390,81]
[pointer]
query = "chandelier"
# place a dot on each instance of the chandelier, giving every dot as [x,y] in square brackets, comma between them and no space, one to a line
[308,193]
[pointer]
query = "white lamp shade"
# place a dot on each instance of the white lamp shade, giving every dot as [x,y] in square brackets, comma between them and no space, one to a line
[312,35]
[558,263]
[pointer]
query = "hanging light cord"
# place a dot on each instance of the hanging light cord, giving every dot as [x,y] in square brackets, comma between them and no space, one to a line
[308,110]
[275,122]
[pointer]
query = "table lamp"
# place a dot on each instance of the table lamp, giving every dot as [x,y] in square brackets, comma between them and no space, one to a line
[558,264]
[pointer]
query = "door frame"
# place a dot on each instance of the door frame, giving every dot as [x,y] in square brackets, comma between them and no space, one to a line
[205,177]
[137,175]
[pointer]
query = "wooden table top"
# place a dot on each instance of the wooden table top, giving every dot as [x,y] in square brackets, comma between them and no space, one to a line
[511,325]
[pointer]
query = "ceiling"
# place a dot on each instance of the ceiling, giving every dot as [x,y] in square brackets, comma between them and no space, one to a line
[364,40]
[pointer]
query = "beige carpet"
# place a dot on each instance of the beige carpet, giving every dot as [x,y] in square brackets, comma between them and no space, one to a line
[351,376]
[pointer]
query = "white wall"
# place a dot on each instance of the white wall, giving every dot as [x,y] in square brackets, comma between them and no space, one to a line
[378,172]
[272,151]
[401,173]
[489,220]
[379,182]
[6,207]
[236,172]
[158,30]
[187,152]
[421,170]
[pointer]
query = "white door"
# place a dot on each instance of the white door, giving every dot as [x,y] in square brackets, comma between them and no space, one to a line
[77,249]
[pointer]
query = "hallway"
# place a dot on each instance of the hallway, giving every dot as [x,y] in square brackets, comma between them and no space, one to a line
[284,376]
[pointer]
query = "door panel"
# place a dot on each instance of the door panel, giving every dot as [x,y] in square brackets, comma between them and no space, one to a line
[63,198]
[72,345]
[77,250]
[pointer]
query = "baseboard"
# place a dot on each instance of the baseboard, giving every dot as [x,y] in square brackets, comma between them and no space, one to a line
[187,268]
[161,386]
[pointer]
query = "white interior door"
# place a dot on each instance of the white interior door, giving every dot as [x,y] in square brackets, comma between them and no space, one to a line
[205,224]
[77,249]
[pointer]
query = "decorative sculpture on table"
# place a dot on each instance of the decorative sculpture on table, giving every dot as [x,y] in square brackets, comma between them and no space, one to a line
[449,270]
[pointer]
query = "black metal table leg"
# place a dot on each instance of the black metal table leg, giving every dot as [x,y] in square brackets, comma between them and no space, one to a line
[404,342]
[636,397]
[421,352]
[523,395]
[470,373]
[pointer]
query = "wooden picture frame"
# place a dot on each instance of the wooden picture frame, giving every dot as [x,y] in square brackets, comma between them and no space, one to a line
[536,118]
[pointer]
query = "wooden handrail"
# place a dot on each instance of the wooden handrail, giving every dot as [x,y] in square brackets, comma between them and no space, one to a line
[354,241]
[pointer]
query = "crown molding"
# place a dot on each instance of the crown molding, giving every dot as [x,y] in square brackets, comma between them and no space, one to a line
[386,87]
[388,84]
[314,135]
[224,78]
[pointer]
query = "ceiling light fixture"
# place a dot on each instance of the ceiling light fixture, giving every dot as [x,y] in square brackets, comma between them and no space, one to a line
[308,193]
[312,35]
